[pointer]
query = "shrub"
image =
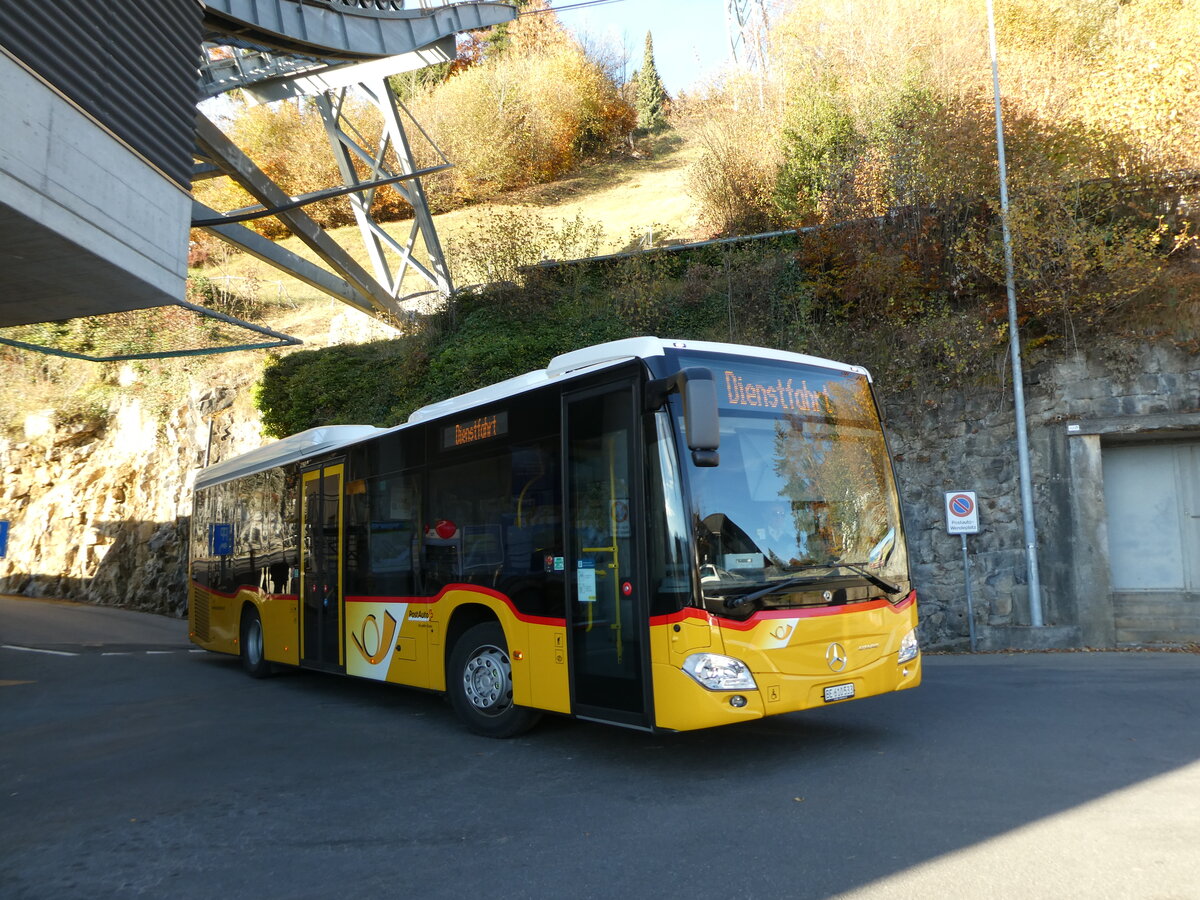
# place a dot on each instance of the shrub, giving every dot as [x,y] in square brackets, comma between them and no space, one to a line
[497,244]
[733,180]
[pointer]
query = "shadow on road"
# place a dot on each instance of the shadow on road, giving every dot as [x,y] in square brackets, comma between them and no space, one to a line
[326,781]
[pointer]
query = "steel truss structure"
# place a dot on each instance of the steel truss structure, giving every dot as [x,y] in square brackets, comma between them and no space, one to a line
[269,64]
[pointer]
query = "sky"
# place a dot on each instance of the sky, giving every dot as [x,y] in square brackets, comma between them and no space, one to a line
[690,42]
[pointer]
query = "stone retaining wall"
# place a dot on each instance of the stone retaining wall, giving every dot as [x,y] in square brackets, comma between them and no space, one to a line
[966,440]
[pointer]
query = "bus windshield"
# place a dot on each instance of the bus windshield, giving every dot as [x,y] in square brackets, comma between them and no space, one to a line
[803,499]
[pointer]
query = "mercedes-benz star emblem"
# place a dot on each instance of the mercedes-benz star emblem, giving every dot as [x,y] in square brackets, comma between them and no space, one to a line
[836,657]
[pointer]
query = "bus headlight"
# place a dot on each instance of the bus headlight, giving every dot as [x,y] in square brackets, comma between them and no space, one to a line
[908,647]
[719,673]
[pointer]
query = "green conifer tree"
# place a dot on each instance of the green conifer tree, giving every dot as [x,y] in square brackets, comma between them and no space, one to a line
[651,95]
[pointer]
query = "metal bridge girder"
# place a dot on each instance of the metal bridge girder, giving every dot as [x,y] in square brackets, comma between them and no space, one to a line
[291,48]
[218,149]
[332,29]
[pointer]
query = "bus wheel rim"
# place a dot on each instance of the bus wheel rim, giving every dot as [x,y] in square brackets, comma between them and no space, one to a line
[487,682]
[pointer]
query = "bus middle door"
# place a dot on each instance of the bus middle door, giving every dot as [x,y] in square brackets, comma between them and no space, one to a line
[321,567]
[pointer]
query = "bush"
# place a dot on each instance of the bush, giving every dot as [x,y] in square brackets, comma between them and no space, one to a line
[350,384]
[733,180]
[502,241]
[503,129]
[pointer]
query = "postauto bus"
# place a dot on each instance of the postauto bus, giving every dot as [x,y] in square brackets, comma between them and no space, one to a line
[663,535]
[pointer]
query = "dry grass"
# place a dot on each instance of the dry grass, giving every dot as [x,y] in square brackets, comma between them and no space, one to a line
[625,197]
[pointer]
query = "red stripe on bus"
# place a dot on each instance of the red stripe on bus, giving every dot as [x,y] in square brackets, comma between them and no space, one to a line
[692,612]
[688,612]
[848,609]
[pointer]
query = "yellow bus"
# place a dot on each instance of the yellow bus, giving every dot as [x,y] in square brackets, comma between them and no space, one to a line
[662,535]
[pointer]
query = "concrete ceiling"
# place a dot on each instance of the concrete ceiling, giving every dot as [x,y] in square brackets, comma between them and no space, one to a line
[47,277]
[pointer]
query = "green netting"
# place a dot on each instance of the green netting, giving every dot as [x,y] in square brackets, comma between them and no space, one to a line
[182,329]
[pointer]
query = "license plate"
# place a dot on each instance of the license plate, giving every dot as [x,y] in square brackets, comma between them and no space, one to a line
[839,692]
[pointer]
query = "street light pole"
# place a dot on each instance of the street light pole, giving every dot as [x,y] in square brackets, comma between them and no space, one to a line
[1014,341]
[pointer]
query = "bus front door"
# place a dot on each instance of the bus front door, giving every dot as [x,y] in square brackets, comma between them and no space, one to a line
[321,567]
[606,607]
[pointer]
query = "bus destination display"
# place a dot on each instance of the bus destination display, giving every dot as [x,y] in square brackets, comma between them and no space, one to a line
[462,433]
[781,394]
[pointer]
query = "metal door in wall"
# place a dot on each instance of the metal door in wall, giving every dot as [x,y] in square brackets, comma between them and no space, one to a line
[1152,500]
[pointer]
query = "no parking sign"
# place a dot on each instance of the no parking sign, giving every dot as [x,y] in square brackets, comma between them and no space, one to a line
[962,512]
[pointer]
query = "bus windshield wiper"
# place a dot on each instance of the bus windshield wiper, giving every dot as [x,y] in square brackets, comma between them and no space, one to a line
[859,568]
[735,602]
[879,581]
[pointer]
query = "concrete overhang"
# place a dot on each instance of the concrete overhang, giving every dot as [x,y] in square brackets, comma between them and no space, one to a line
[87,226]
[47,276]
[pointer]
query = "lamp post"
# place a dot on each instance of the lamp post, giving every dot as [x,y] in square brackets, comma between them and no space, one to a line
[1014,341]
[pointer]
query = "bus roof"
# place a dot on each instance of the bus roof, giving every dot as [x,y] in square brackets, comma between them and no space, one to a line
[289,449]
[333,437]
[611,353]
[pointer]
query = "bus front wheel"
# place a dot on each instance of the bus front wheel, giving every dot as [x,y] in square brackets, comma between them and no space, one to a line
[481,684]
[254,661]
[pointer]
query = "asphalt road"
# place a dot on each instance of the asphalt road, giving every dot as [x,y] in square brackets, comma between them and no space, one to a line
[136,767]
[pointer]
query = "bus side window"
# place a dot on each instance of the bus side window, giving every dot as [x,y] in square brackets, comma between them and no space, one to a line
[496,521]
[667,526]
[533,560]
[462,539]
[384,534]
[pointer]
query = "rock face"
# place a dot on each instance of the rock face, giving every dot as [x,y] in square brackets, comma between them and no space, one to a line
[98,510]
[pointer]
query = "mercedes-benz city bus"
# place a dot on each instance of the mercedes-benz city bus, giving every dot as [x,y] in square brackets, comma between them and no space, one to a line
[664,535]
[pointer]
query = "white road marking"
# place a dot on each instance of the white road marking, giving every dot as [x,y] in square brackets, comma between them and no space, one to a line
[37,650]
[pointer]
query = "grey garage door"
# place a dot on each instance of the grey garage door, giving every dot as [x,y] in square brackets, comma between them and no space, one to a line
[1152,497]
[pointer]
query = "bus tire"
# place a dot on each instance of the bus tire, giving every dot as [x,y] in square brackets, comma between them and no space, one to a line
[254,660]
[481,684]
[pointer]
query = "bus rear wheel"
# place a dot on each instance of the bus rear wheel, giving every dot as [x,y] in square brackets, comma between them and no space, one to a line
[481,687]
[254,660]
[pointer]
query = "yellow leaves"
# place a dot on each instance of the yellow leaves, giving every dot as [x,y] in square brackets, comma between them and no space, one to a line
[499,242]
[1127,70]
[523,117]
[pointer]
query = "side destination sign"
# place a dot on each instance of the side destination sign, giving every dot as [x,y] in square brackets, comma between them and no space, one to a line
[481,429]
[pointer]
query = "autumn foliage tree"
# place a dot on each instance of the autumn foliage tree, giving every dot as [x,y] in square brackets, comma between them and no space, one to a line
[885,113]
[517,111]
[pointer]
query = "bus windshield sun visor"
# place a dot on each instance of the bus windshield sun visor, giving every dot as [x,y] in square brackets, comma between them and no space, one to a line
[703,431]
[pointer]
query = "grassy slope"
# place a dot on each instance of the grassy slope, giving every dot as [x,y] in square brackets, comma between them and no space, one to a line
[626,197]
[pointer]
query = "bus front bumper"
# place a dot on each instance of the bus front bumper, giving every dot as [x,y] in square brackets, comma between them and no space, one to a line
[682,704]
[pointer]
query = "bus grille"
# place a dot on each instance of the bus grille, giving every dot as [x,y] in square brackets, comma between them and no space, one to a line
[200,615]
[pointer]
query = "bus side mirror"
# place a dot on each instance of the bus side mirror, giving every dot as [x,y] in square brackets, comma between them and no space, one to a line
[702,424]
